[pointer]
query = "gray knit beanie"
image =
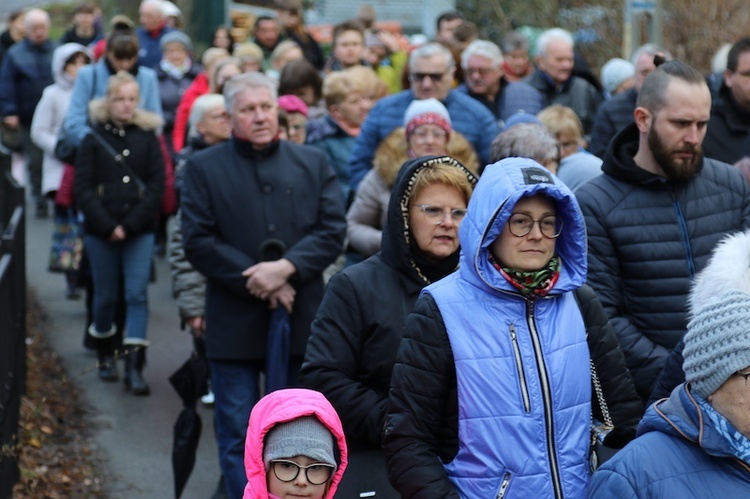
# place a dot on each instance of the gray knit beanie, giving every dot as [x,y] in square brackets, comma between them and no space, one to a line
[178,37]
[717,342]
[305,436]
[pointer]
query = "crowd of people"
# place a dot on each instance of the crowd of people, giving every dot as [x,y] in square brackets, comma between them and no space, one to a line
[463,268]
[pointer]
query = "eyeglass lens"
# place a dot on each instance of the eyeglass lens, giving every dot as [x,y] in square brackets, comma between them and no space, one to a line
[520,225]
[287,471]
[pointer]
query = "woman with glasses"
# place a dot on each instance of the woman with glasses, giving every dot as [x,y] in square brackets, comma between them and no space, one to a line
[491,394]
[356,332]
[295,447]
[427,131]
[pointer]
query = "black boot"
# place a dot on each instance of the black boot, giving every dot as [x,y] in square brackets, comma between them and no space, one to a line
[135,359]
[105,353]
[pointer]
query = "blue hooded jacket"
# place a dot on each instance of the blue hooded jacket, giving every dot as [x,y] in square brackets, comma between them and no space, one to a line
[522,365]
[678,453]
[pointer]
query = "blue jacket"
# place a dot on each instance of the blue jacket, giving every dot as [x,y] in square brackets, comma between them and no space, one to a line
[472,119]
[91,83]
[530,355]
[149,51]
[324,133]
[511,98]
[678,453]
[26,71]
[647,239]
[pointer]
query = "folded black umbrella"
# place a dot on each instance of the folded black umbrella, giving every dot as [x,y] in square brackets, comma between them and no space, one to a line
[189,381]
[279,328]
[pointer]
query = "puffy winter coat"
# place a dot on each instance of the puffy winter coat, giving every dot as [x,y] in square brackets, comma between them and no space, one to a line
[678,453]
[283,406]
[25,73]
[468,116]
[611,117]
[324,133]
[647,239]
[358,328]
[50,113]
[104,189]
[367,215]
[728,132]
[473,340]
[511,98]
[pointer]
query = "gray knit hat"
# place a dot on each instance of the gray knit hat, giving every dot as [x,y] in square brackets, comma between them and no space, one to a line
[717,342]
[178,37]
[305,436]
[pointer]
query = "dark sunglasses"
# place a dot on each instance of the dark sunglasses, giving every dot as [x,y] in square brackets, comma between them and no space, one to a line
[435,77]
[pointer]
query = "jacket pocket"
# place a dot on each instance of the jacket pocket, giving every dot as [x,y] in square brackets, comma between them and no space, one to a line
[502,491]
[523,386]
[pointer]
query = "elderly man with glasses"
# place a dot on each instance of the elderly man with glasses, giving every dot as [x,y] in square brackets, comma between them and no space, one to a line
[431,69]
[484,80]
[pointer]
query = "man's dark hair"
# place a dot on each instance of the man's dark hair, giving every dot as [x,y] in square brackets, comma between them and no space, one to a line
[466,32]
[260,19]
[739,48]
[451,15]
[299,74]
[653,91]
[15,15]
[350,25]
[84,8]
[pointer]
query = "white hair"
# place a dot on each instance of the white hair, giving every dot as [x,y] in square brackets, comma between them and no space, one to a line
[244,81]
[201,106]
[482,48]
[157,5]
[551,35]
[429,50]
[34,16]
[650,49]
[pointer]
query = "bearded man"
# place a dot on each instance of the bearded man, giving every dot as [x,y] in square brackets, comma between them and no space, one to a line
[656,213]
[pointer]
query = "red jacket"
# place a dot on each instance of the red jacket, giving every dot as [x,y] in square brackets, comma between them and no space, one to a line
[196,89]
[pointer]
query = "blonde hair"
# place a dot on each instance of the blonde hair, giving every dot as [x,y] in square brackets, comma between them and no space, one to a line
[561,120]
[447,173]
[338,85]
[117,80]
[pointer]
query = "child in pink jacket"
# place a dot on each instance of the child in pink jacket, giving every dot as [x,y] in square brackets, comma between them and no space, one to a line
[294,447]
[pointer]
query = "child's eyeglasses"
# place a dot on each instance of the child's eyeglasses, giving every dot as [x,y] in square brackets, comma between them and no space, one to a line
[287,471]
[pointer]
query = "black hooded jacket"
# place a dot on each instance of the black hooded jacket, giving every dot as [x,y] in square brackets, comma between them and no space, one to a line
[359,325]
[648,237]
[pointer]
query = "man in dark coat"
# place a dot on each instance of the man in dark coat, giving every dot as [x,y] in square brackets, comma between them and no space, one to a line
[617,113]
[728,136]
[237,197]
[555,80]
[656,214]
[26,71]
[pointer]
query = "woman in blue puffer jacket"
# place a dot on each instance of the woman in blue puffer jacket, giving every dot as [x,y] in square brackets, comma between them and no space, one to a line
[491,395]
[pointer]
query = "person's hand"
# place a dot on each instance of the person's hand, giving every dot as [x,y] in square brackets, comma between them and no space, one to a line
[197,324]
[283,296]
[264,278]
[389,40]
[117,235]
[11,121]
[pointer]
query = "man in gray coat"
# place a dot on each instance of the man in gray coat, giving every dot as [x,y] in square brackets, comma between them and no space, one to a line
[240,198]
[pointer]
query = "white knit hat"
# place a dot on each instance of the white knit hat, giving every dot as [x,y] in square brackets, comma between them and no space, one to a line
[717,342]
[614,72]
[426,106]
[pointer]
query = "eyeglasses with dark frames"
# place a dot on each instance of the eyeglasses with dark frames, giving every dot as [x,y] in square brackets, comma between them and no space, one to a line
[287,471]
[436,214]
[520,225]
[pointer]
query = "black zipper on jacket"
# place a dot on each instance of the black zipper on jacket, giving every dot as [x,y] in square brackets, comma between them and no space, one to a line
[519,368]
[684,234]
[546,400]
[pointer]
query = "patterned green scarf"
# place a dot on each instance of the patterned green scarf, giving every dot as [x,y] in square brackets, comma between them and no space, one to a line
[535,282]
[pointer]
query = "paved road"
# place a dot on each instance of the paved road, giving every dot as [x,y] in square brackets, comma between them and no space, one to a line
[135,433]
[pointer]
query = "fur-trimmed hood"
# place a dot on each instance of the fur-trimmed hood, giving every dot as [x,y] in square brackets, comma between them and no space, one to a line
[393,152]
[727,270]
[146,120]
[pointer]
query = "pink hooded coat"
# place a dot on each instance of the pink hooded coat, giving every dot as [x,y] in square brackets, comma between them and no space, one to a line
[279,407]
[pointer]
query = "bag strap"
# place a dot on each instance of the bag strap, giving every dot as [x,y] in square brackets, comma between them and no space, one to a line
[600,396]
[119,158]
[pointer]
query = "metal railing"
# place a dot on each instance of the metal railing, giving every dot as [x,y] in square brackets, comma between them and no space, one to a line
[12,321]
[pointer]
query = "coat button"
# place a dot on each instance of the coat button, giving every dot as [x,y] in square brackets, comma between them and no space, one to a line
[267,189]
[126,152]
[125,179]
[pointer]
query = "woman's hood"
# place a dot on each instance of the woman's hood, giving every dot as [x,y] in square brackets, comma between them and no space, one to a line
[279,407]
[727,270]
[500,187]
[62,54]
[395,246]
